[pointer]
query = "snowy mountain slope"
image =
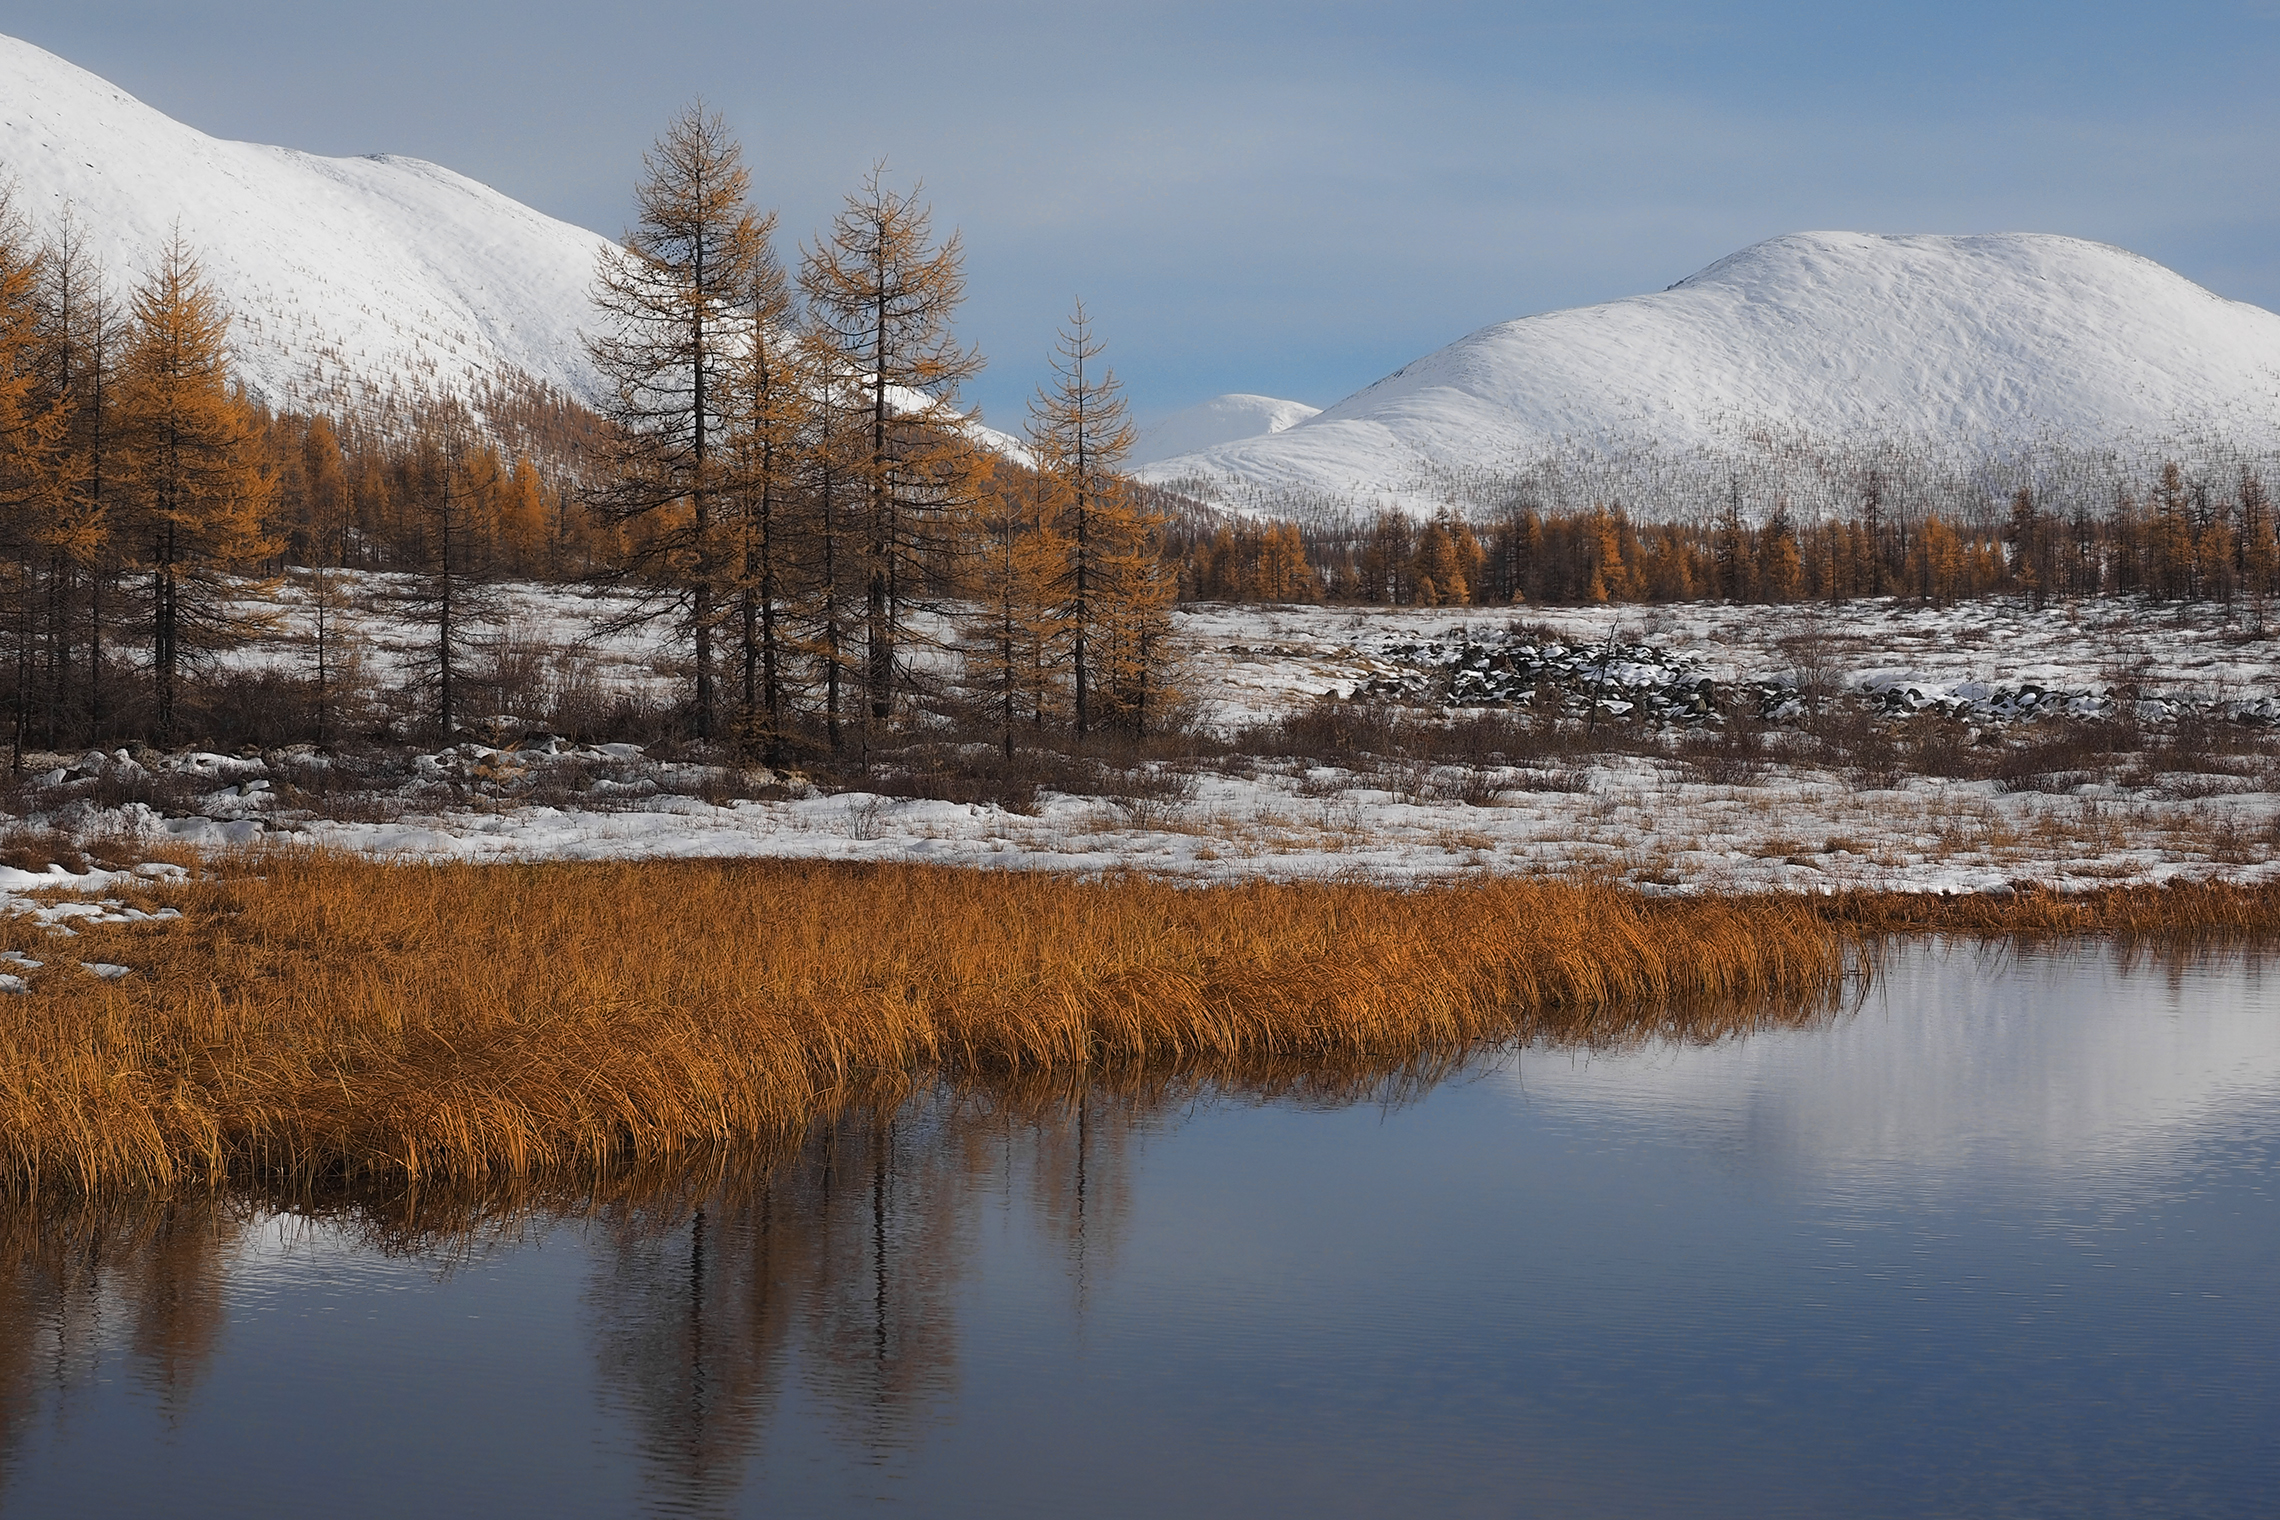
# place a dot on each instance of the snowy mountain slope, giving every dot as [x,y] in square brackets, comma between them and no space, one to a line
[1983,343]
[350,280]
[1222,419]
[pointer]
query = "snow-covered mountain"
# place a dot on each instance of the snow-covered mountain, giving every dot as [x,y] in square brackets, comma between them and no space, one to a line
[350,280]
[1804,344]
[1222,419]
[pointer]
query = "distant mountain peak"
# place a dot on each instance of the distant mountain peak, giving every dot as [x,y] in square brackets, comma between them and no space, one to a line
[1223,419]
[1821,345]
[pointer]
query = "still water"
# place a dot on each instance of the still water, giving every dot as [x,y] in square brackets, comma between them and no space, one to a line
[2003,1240]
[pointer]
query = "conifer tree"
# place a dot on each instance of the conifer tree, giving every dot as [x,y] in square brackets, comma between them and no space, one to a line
[78,343]
[32,461]
[1438,561]
[2259,554]
[522,519]
[19,333]
[454,597]
[336,649]
[880,296]
[1080,431]
[674,304]
[1096,553]
[1872,530]
[2171,535]
[1280,572]
[196,487]
[2029,539]
[1733,548]
[1138,668]
[325,487]
[773,414]
[829,556]
[1015,646]
[1780,567]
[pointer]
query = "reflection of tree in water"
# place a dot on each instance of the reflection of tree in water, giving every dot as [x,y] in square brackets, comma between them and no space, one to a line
[827,1279]
[688,1322]
[79,1286]
[1080,1169]
[841,1267]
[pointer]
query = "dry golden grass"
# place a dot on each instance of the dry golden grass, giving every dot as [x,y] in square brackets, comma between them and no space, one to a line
[330,1018]
[313,1019]
[2186,913]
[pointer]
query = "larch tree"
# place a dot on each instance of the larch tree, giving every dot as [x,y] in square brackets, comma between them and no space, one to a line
[1015,641]
[1137,666]
[674,303]
[32,459]
[79,346]
[775,402]
[2259,553]
[329,501]
[830,552]
[880,295]
[1080,431]
[196,487]
[336,649]
[454,597]
[522,518]
[1109,587]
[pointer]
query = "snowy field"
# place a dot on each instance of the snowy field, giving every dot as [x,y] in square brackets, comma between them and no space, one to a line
[1676,804]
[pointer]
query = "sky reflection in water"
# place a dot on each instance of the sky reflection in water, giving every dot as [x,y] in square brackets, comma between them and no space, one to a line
[1999,1242]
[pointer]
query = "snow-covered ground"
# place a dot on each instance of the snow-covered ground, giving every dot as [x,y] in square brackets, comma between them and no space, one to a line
[1661,822]
[1674,813]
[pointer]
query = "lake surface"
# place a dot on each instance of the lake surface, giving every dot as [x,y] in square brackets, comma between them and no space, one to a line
[2003,1240]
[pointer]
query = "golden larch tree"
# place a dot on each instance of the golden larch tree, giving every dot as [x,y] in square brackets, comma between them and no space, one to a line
[881,294]
[1080,431]
[673,302]
[1017,638]
[197,487]
[772,420]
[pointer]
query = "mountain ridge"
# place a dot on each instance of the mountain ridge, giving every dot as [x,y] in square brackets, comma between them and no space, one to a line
[352,283]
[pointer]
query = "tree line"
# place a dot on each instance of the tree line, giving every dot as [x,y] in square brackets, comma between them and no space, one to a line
[2181,540]
[148,506]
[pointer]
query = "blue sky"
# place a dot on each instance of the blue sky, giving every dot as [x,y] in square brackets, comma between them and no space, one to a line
[1289,199]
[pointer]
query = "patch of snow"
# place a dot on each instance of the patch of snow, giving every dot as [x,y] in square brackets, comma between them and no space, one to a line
[1659,819]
